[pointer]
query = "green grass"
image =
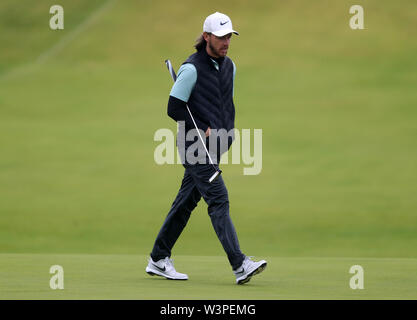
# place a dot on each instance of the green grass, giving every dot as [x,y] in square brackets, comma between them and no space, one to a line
[336,106]
[26,276]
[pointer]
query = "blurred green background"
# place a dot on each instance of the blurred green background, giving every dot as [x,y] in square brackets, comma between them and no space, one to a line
[79,108]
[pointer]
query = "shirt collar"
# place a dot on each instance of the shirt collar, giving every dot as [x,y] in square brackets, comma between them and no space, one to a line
[217,62]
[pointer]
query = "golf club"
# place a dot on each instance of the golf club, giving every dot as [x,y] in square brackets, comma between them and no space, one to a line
[218,171]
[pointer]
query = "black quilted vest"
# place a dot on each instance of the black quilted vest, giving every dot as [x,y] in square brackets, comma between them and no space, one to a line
[211,100]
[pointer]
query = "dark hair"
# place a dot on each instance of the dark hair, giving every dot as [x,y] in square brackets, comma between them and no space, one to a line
[200,43]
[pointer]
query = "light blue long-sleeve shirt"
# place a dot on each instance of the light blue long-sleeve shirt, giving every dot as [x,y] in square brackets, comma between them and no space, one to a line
[186,79]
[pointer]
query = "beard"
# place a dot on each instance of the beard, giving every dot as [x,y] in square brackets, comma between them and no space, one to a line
[214,50]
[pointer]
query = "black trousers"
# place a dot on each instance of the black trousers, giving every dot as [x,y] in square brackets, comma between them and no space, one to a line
[194,185]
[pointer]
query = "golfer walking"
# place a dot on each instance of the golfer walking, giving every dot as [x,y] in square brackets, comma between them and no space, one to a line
[205,84]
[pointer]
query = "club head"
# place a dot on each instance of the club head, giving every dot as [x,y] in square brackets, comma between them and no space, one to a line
[215,175]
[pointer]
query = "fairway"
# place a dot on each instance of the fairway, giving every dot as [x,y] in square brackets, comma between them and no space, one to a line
[26,276]
[79,185]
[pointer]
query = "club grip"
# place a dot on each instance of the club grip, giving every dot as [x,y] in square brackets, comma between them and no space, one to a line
[170,69]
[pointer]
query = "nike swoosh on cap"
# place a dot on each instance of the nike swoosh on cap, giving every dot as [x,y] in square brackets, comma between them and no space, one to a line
[223,23]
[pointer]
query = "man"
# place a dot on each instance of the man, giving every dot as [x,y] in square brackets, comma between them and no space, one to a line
[205,83]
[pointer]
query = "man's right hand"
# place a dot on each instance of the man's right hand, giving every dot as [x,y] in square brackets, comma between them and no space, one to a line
[208,132]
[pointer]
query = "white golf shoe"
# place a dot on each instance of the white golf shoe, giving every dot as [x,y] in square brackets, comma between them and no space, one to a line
[248,269]
[164,268]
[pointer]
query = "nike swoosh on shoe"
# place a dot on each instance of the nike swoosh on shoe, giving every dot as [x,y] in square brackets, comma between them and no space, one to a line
[240,272]
[160,269]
